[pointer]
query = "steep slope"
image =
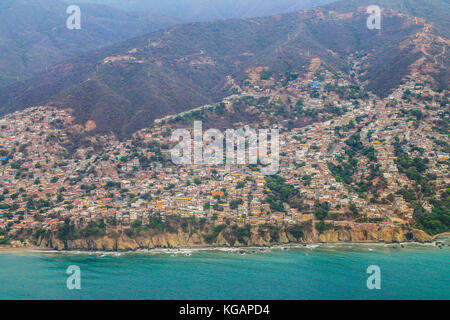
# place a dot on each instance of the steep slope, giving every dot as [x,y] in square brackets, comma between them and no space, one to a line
[34,35]
[125,87]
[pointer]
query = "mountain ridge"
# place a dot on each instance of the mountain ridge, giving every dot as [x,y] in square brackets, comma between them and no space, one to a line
[126,86]
[39,37]
[34,34]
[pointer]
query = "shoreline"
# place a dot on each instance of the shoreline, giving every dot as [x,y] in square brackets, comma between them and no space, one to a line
[35,249]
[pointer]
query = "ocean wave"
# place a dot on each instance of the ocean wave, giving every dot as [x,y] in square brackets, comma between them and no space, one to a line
[236,250]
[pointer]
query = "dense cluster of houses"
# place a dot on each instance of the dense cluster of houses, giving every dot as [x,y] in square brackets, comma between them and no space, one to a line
[42,184]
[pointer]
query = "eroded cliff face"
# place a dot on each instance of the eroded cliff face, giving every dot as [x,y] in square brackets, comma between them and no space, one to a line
[374,234]
[185,240]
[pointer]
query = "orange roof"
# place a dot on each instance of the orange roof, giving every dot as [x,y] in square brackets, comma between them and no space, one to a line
[218,193]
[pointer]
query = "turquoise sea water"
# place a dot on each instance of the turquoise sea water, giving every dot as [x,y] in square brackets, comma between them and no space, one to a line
[325,272]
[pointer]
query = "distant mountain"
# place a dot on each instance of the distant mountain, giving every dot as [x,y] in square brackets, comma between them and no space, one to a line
[34,35]
[207,10]
[124,87]
[433,11]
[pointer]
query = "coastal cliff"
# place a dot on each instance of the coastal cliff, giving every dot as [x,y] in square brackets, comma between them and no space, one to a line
[359,234]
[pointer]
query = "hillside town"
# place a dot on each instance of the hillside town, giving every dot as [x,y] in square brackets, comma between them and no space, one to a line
[347,158]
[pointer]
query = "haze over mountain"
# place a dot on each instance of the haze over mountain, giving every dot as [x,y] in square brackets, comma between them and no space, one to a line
[434,11]
[34,35]
[206,10]
[125,87]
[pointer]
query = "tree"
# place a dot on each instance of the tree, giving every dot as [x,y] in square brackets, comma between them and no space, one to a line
[354,209]
[296,231]
[321,210]
[266,74]
[240,185]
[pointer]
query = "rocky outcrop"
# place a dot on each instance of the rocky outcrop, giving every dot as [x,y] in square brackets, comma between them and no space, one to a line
[363,233]
[374,234]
